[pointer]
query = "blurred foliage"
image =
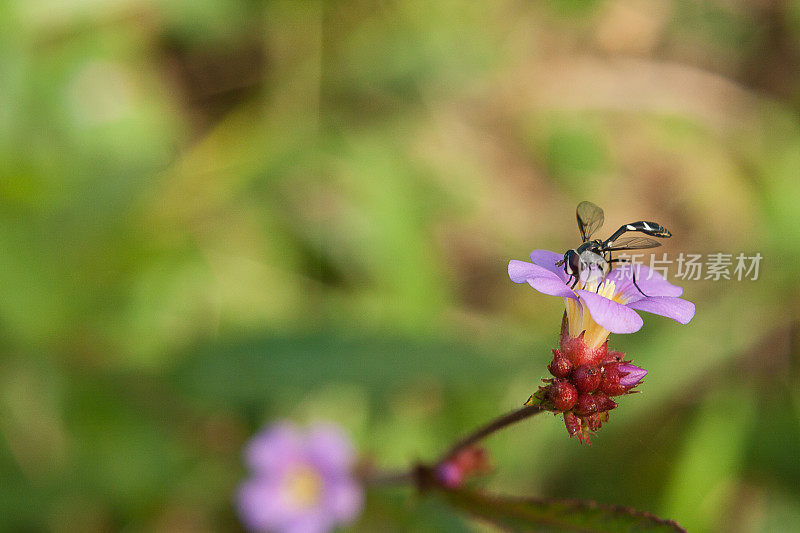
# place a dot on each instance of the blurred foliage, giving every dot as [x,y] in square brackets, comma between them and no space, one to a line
[526,514]
[215,213]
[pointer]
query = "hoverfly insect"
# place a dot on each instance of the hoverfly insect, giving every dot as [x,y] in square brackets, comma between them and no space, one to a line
[591,261]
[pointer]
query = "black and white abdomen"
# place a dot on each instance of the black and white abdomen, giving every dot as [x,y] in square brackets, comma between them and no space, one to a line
[643,226]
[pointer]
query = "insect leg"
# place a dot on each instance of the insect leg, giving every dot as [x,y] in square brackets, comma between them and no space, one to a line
[599,283]
[633,272]
[637,286]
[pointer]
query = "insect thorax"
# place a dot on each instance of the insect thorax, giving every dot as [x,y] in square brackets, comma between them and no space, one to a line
[594,267]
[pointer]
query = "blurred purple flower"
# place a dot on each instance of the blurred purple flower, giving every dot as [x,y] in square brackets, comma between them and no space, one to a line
[607,307]
[301,482]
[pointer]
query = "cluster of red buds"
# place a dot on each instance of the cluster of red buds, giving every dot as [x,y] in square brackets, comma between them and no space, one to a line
[585,379]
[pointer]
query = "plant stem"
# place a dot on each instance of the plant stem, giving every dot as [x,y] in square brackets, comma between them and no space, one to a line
[495,425]
[386,479]
[421,474]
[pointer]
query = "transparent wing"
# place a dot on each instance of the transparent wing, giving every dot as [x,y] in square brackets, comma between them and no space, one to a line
[590,219]
[633,243]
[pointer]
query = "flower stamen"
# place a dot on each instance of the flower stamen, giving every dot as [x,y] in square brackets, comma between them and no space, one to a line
[580,319]
[303,486]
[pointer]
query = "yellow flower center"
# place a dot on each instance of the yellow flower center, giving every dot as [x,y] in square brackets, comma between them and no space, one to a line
[303,486]
[580,319]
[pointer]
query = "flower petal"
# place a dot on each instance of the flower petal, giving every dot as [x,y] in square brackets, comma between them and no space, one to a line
[262,505]
[611,315]
[677,309]
[543,280]
[273,450]
[551,285]
[313,520]
[548,260]
[633,375]
[650,281]
[329,448]
[521,271]
[344,500]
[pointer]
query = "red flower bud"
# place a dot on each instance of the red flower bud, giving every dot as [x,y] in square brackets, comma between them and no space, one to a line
[610,384]
[560,366]
[576,350]
[586,405]
[468,462]
[614,356]
[593,422]
[604,403]
[449,475]
[573,424]
[562,394]
[586,378]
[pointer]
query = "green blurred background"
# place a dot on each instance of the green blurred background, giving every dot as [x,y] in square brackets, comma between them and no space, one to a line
[216,213]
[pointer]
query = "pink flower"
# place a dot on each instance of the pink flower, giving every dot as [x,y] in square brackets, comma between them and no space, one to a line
[609,306]
[301,481]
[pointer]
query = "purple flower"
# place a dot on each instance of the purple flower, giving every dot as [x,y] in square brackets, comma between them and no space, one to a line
[301,482]
[608,306]
[631,375]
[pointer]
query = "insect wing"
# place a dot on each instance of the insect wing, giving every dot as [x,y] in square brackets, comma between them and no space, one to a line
[590,219]
[633,243]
